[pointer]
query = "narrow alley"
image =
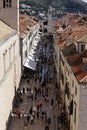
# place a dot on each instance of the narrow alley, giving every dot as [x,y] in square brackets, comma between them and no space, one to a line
[38,103]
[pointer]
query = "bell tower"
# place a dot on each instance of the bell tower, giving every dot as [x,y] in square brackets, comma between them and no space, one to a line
[50,19]
[9,13]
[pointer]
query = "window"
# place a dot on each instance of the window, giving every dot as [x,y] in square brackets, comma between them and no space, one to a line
[7,3]
[45,23]
[67,90]
[68,93]
[4,60]
[82,48]
[76,90]
[75,115]
[49,12]
[25,53]
[71,107]
[72,83]
[30,34]
[9,55]
[45,30]
[14,44]
[63,26]
[68,72]
[62,77]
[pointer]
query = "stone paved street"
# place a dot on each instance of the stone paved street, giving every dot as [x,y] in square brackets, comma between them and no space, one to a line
[39,124]
[48,94]
[17,123]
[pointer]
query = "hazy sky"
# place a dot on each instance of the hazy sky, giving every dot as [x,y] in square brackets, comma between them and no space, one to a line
[85,1]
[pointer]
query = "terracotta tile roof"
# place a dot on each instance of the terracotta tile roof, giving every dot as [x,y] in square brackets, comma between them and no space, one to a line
[76,29]
[77,22]
[63,39]
[82,39]
[81,75]
[77,65]
[73,58]
[25,24]
[77,68]
[70,19]
[61,43]
[77,34]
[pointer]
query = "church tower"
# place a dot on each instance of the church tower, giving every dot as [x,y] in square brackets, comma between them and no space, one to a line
[9,13]
[50,19]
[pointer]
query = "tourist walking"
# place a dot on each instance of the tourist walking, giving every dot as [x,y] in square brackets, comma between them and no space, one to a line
[46,127]
[32,119]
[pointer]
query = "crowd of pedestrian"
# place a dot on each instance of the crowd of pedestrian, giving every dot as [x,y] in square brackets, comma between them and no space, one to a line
[45,62]
[42,77]
[35,112]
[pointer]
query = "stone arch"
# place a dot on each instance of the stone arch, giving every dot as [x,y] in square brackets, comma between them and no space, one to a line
[45,30]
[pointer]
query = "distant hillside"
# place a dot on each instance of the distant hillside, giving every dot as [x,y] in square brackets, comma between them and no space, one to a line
[60,6]
[75,5]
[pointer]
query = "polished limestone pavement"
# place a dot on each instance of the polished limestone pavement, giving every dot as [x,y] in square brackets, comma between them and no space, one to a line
[39,124]
[52,111]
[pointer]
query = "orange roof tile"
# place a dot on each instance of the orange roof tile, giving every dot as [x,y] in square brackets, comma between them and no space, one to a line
[61,43]
[78,28]
[73,58]
[77,65]
[25,24]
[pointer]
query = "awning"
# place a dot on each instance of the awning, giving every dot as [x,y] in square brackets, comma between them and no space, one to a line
[30,64]
[34,47]
[31,57]
[32,51]
[35,42]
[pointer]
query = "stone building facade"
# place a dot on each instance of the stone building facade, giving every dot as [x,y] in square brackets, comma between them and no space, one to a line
[71,65]
[9,12]
[10,59]
[46,23]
